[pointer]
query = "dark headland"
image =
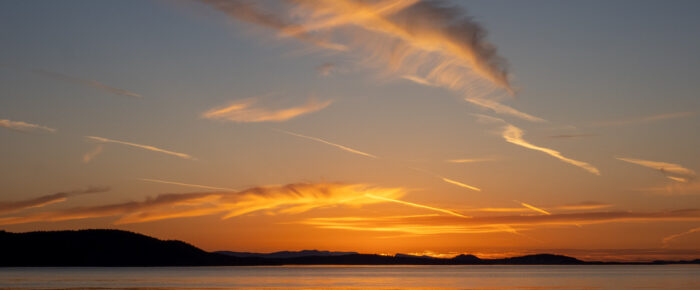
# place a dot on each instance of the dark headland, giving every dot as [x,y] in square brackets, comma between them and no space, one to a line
[114,248]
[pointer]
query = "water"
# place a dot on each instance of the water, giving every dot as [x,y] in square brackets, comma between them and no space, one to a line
[358,277]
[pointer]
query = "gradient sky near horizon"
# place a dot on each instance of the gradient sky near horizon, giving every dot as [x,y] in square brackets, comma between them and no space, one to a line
[372,126]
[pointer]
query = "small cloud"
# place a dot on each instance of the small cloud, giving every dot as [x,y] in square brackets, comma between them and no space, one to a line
[90,83]
[514,135]
[646,119]
[245,111]
[326,69]
[145,147]
[585,205]
[341,147]
[88,156]
[672,171]
[15,206]
[24,127]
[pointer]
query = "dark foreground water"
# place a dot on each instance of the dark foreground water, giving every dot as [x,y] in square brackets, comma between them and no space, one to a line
[358,277]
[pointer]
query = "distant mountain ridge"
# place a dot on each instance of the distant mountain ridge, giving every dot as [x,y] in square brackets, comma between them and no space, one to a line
[116,248]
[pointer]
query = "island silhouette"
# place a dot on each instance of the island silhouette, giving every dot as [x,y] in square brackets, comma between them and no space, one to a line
[116,248]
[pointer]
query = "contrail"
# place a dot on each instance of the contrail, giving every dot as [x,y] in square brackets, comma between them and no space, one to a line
[668,239]
[23,127]
[457,183]
[664,167]
[146,147]
[534,208]
[87,157]
[514,135]
[341,147]
[187,184]
[245,112]
[417,205]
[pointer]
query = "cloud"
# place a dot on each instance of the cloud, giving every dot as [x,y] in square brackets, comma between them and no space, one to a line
[572,136]
[88,156]
[248,12]
[586,205]
[23,127]
[341,147]
[245,111]
[90,83]
[15,206]
[185,184]
[447,211]
[514,135]
[280,199]
[671,171]
[534,208]
[146,147]
[444,224]
[432,43]
[471,160]
[646,119]
[326,69]
[670,238]
[503,109]
[457,183]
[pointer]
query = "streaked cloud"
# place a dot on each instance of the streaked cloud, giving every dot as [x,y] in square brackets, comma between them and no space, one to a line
[326,69]
[90,83]
[185,184]
[7,207]
[249,12]
[514,135]
[645,119]
[571,136]
[432,43]
[670,238]
[278,199]
[246,111]
[447,211]
[88,156]
[534,208]
[457,183]
[145,147]
[672,171]
[446,224]
[341,147]
[586,205]
[24,127]
[471,160]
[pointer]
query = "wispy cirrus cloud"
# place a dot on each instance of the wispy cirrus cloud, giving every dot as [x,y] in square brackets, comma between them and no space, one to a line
[672,171]
[23,126]
[90,83]
[341,147]
[471,160]
[585,205]
[279,199]
[7,207]
[246,111]
[88,156]
[432,43]
[446,224]
[145,147]
[534,208]
[645,119]
[514,135]
[249,12]
[667,240]
[185,184]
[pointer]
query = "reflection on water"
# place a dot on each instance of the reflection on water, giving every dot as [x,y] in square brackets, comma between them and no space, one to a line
[358,277]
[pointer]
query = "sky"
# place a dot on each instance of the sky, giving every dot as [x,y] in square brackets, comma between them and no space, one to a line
[492,128]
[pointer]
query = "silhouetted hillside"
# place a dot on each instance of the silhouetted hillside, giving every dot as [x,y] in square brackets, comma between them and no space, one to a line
[122,248]
[99,248]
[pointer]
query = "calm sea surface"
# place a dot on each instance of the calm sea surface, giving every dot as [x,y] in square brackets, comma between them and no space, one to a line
[358,277]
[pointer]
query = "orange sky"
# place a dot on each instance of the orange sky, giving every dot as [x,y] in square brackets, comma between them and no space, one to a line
[372,126]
